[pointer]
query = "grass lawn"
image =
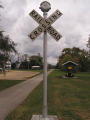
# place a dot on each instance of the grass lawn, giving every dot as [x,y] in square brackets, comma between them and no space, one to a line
[8,83]
[68,98]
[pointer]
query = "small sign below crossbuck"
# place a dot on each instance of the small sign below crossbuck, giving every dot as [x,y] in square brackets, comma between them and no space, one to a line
[45,25]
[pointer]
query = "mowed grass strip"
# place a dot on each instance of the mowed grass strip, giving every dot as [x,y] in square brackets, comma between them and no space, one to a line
[5,83]
[8,83]
[68,98]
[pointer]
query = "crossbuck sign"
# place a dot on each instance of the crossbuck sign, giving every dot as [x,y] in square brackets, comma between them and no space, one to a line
[45,25]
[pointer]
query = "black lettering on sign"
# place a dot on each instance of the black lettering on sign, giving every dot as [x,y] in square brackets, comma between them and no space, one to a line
[51,19]
[32,13]
[44,26]
[54,16]
[55,34]
[36,16]
[47,22]
[52,32]
[40,21]
[35,33]
[49,28]
[58,37]
[58,12]
[32,37]
[40,29]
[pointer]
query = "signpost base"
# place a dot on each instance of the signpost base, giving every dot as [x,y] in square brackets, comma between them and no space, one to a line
[40,117]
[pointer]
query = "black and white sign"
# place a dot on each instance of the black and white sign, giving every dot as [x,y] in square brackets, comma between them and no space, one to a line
[45,25]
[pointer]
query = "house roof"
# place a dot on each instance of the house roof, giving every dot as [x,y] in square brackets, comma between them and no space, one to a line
[69,62]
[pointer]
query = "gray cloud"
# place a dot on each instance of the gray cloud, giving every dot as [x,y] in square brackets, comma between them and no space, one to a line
[74,25]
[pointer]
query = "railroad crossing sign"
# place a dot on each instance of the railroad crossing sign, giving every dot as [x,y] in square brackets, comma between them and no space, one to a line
[45,25]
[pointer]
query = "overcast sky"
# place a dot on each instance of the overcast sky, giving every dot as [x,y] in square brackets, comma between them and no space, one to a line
[73,25]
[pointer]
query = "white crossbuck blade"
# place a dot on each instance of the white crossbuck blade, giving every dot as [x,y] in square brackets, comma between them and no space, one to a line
[45,25]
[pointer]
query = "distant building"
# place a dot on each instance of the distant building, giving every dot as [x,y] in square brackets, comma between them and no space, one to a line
[18,64]
[35,67]
[8,65]
[26,57]
[1,70]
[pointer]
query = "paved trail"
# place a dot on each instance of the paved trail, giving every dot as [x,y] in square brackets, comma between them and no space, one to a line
[13,96]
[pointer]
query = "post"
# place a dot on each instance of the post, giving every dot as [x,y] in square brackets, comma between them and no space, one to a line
[45,71]
[45,7]
[43,27]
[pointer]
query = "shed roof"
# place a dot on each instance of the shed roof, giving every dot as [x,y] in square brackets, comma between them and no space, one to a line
[69,62]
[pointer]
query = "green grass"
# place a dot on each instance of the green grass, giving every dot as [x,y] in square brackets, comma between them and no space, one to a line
[8,83]
[68,98]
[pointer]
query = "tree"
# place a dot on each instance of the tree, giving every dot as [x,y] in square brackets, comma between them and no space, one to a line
[83,63]
[25,65]
[75,55]
[66,51]
[88,45]
[7,46]
[1,6]
[36,60]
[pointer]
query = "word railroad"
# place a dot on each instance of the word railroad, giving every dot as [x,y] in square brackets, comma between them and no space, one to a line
[45,25]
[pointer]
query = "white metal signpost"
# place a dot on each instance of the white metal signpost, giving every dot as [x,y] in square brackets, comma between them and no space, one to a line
[45,26]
